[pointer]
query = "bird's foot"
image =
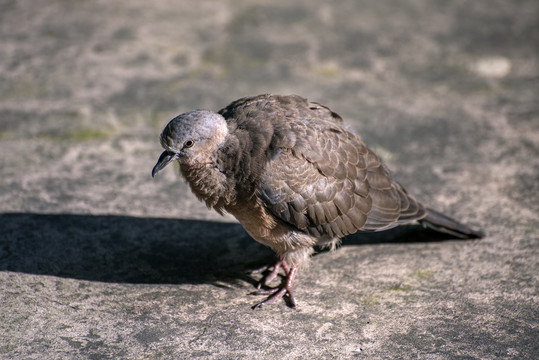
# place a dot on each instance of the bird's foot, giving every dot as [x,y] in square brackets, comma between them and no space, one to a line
[278,292]
[266,279]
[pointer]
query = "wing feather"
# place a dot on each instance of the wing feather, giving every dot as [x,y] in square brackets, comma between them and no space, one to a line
[323,180]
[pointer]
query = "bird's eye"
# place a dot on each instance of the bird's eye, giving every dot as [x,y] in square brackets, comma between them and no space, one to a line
[188,143]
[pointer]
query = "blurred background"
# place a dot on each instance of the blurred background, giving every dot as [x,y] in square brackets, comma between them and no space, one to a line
[446,92]
[86,87]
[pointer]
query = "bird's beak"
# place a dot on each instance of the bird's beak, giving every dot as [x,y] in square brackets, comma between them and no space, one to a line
[165,158]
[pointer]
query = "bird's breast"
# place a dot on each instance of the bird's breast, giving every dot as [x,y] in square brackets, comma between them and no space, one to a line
[263,227]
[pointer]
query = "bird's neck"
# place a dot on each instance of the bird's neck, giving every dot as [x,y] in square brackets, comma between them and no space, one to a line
[209,185]
[229,173]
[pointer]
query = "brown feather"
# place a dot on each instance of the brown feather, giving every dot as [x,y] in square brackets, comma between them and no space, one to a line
[306,178]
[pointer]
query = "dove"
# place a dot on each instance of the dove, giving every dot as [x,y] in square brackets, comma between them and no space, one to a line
[295,176]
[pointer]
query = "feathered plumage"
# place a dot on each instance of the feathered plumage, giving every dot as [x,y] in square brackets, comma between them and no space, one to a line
[294,176]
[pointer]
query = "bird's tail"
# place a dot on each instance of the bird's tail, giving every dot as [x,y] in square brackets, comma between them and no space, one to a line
[442,223]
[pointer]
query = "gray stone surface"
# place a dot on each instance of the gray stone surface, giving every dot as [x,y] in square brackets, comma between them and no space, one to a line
[98,260]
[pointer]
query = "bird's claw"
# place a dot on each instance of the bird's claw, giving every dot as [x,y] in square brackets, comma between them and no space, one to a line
[266,279]
[277,293]
[274,295]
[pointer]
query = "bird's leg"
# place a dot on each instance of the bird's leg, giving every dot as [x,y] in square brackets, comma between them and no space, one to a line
[272,274]
[278,292]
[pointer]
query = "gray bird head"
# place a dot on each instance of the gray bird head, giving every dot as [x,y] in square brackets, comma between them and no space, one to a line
[191,138]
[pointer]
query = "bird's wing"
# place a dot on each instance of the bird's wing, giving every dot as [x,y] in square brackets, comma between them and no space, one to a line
[329,184]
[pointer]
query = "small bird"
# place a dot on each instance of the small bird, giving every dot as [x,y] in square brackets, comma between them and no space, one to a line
[294,175]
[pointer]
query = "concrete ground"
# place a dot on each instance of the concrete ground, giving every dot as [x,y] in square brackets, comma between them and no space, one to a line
[100,261]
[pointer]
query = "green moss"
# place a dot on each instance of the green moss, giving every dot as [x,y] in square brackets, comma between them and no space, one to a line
[328,71]
[87,134]
[77,135]
[423,274]
[400,287]
[7,135]
[370,300]
[23,86]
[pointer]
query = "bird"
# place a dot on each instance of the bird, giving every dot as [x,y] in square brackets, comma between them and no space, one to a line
[295,176]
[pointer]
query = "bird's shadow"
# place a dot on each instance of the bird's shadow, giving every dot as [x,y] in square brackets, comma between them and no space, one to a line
[125,249]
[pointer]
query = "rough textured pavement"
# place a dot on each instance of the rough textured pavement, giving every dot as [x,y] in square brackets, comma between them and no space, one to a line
[98,260]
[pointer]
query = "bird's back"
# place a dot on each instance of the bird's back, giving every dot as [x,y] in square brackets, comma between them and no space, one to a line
[312,173]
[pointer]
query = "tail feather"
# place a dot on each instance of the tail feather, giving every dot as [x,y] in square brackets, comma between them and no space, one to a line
[442,223]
